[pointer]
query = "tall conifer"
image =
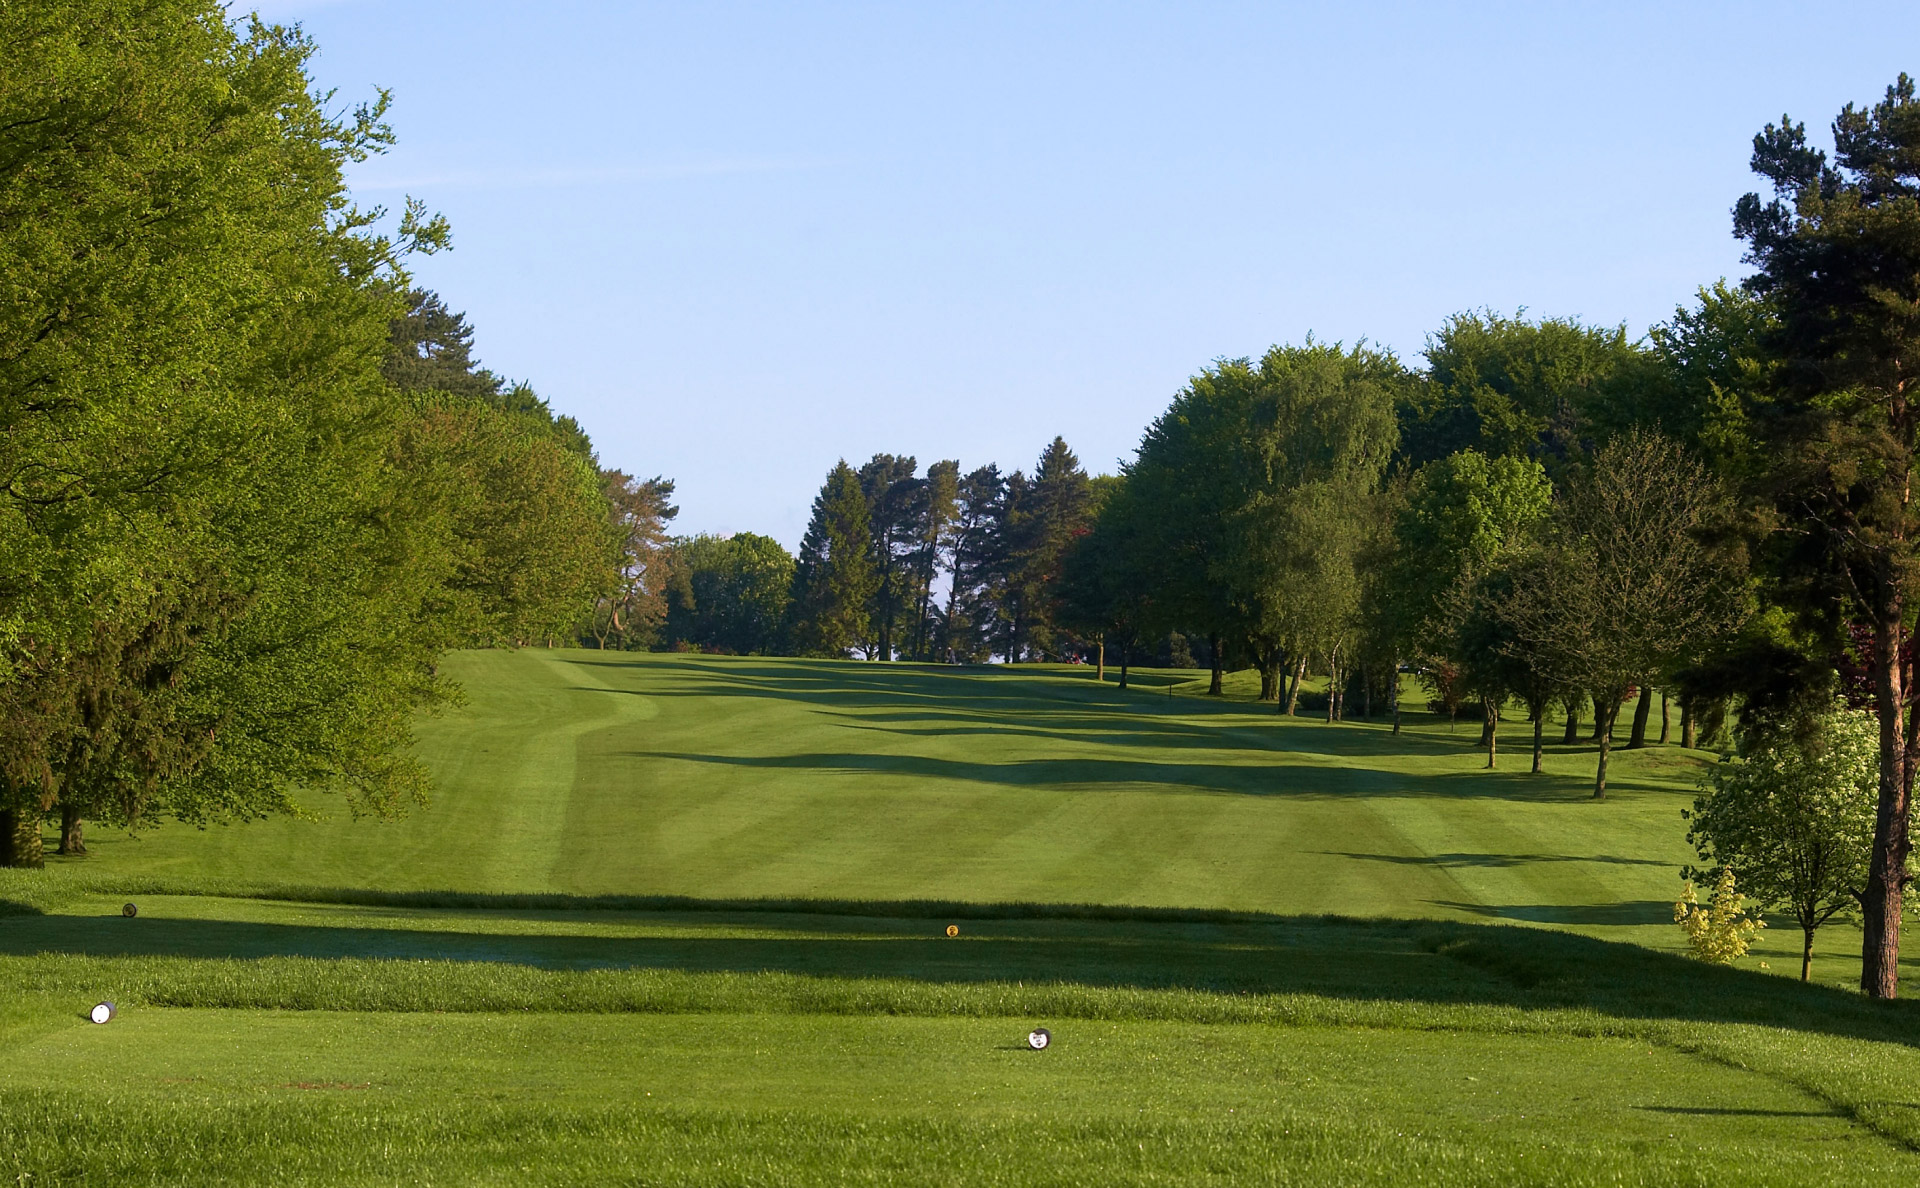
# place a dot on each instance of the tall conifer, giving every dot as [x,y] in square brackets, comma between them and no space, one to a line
[834,579]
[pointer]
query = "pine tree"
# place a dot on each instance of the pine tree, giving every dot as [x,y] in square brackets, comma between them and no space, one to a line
[970,545]
[935,510]
[834,580]
[891,492]
[1056,510]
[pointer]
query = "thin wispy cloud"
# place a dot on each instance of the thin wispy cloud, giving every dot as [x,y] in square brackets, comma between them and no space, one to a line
[510,177]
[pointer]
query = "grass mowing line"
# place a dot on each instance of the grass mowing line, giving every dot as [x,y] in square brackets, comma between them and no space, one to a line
[1900,1130]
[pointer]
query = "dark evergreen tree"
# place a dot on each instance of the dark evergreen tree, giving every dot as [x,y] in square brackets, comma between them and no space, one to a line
[893,497]
[935,509]
[1054,510]
[1837,248]
[966,628]
[834,578]
[1104,588]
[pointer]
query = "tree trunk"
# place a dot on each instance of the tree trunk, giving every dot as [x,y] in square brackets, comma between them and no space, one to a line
[920,623]
[1493,732]
[1270,664]
[1686,724]
[1486,725]
[1539,724]
[1124,651]
[1393,693]
[1666,720]
[72,843]
[1806,953]
[20,838]
[1606,747]
[1100,658]
[1641,713]
[1602,718]
[1887,869]
[1293,690]
[1213,682]
[1572,705]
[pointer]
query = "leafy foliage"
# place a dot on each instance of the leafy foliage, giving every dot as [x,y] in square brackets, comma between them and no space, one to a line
[1720,932]
[1794,817]
[728,594]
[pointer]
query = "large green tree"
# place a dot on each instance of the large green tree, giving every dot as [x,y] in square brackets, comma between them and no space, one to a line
[1461,514]
[1254,490]
[1836,249]
[1508,386]
[729,594]
[196,444]
[1631,578]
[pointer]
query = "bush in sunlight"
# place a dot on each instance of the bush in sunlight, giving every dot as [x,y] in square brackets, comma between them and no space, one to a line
[1720,932]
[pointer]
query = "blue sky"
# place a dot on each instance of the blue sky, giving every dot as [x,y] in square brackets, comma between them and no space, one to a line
[739,241]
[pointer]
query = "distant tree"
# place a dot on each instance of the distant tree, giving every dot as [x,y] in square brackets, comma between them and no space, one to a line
[1838,263]
[1053,511]
[1630,579]
[1509,387]
[936,508]
[729,594]
[834,578]
[1497,659]
[1302,502]
[1104,589]
[629,615]
[894,514]
[533,538]
[1793,817]
[974,549]
[998,604]
[1187,481]
[1461,515]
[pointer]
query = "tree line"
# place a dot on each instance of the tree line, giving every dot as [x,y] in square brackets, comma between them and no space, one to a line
[1545,517]
[252,484]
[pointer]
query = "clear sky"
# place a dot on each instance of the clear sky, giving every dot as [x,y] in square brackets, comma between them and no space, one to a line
[739,241]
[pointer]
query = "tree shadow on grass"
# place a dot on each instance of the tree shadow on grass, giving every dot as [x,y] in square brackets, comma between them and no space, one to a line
[1286,774]
[1275,779]
[1637,911]
[1421,961]
[1493,861]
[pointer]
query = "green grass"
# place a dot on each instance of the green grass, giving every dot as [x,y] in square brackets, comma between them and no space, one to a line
[680,920]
